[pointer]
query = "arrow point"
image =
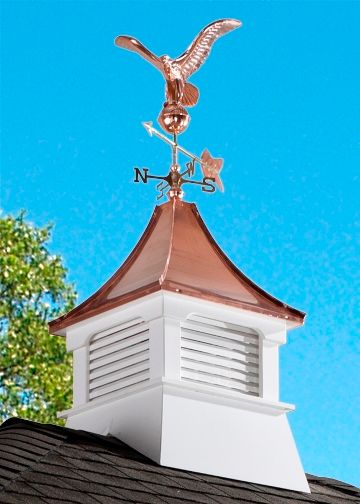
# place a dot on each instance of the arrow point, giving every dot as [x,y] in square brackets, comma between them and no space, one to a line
[148,127]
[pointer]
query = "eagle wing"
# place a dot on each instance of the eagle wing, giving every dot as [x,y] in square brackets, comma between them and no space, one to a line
[195,55]
[132,44]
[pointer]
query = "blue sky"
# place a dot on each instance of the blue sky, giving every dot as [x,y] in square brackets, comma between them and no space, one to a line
[279,102]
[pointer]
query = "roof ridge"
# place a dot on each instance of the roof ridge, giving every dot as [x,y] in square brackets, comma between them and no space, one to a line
[171,241]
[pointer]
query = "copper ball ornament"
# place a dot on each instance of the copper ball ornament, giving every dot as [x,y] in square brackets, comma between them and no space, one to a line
[174,118]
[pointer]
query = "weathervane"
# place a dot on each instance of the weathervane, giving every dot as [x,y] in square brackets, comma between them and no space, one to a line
[174,118]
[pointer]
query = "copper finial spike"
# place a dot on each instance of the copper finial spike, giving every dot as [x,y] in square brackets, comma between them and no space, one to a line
[174,118]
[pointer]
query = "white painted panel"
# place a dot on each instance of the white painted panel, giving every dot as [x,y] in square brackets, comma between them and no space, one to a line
[156,348]
[230,442]
[172,335]
[80,376]
[270,370]
[135,419]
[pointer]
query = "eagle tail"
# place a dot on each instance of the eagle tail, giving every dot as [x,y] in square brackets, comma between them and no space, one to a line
[190,95]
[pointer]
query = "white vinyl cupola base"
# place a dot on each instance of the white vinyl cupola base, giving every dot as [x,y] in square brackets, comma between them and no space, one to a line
[177,355]
[190,383]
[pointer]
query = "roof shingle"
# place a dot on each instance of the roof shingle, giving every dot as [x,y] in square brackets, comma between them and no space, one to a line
[51,464]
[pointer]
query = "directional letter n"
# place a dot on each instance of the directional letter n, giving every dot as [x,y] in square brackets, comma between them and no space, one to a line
[139,174]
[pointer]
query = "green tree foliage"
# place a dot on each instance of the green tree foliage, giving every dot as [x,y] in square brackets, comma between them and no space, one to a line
[35,369]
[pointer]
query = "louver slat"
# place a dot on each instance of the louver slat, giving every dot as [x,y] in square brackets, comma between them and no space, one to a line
[198,320]
[222,341]
[220,355]
[209,347]
[219,360]
[113,387]
[220,371]
[117,375]
[114,337]
[243,337]
[118,345]
[112,330]
[122,363]
[220,382]
[118,358]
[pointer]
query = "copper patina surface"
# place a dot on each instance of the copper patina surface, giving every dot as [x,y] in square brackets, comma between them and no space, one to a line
[177,253]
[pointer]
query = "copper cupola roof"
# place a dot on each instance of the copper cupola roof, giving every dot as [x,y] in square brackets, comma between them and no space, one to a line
[177,253]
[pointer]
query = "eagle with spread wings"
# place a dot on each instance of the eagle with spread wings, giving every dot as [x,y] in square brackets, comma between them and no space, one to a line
[177,71]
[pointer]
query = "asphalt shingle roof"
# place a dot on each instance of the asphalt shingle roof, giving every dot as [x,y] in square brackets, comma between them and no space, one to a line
[50,464]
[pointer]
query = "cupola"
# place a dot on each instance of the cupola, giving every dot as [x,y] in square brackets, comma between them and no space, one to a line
[178,356]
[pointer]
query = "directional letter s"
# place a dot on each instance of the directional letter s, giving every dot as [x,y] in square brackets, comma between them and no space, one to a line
[207,185]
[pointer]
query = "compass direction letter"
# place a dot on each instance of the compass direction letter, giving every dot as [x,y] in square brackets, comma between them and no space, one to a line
[143,176]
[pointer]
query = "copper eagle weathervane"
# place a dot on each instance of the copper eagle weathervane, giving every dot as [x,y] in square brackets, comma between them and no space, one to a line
[174,118]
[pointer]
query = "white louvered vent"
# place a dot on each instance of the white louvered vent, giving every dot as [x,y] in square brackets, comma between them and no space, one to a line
[118,358]
[220,354]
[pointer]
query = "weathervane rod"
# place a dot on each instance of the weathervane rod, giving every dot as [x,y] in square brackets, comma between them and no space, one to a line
[175,149]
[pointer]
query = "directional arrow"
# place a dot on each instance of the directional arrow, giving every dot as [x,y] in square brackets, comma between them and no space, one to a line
[210,166]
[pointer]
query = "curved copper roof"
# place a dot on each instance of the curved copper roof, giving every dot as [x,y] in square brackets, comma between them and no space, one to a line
[177,253]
